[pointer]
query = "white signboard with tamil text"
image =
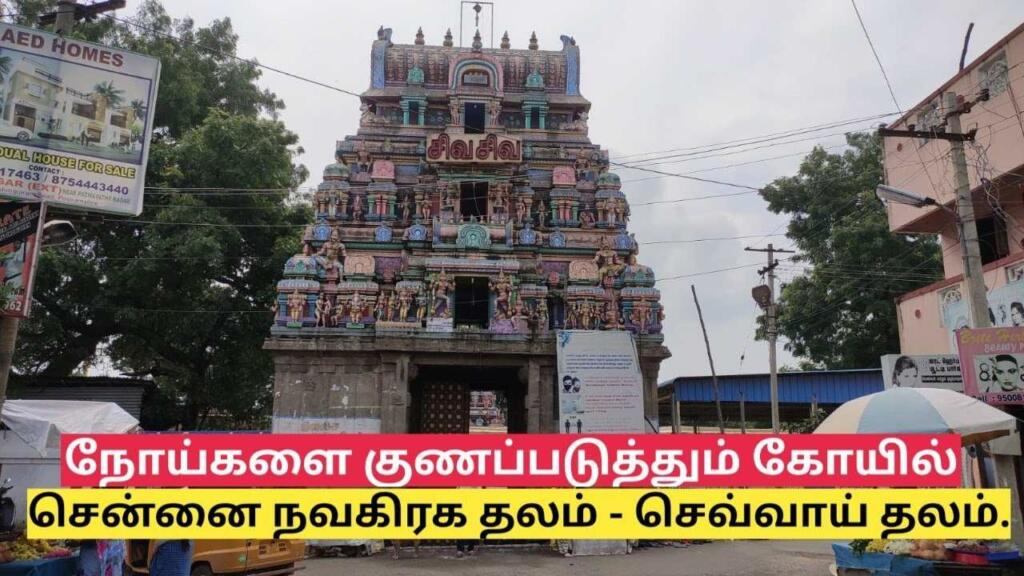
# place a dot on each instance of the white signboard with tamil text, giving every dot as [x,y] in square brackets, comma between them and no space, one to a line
[920,371]
[75,121]
[600,387]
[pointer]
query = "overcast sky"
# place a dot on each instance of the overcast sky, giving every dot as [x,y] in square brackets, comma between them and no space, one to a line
[660,75]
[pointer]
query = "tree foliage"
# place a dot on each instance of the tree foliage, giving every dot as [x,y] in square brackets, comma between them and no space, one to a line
[840,312]
[182,293]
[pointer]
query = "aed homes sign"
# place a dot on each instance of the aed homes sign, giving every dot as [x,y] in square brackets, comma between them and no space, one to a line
[473,148]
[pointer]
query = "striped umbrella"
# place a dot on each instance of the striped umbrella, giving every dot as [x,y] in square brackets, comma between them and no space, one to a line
[920,411]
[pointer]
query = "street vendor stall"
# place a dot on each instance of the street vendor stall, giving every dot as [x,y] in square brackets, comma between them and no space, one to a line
[30,458]
[923,411]
[30,439]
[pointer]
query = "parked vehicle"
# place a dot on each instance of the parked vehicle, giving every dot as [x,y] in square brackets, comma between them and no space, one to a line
[12,131]
[233,557]
[8,511]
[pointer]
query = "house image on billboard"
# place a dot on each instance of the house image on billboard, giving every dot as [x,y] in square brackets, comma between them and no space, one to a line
[39,101]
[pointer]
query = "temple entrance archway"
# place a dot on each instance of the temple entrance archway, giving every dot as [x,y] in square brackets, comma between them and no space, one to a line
[452,400]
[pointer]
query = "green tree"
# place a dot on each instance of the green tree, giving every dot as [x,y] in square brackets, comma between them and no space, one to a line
[182,293]
[840,312]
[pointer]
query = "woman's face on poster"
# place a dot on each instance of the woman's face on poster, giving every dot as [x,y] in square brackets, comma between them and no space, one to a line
[907,378]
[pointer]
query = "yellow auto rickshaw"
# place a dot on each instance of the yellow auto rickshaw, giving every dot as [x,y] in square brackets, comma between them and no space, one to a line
[230,557]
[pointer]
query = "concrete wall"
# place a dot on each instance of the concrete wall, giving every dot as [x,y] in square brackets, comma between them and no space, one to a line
[363,386]
[920,313]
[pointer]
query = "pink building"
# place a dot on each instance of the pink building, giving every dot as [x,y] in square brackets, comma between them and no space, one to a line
[996,167]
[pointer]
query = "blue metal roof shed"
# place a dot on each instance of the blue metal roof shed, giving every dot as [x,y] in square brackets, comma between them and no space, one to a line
[822,387]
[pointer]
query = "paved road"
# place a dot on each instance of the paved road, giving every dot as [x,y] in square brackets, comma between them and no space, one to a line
[789,558]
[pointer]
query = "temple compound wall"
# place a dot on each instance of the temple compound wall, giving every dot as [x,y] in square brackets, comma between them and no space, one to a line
[468,219]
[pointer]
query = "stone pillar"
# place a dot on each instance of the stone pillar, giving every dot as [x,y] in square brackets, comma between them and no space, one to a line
[395,375]
[548,409]
[405,111]
[650,375]
[534,397]
[543,117]
[422,113]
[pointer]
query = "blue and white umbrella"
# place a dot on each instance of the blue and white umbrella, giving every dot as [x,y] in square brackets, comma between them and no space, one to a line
[920,411]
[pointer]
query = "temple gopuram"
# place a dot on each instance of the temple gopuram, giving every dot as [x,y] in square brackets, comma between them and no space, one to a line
[468,219]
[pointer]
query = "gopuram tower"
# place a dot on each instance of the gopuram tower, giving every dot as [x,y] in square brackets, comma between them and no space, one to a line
[468,219]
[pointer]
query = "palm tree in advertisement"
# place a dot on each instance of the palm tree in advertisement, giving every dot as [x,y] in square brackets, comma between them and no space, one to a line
[107,96]
[111,96]
[138,108]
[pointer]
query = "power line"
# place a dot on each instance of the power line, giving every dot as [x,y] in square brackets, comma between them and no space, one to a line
[784,133]
[771,143]
[877,59]
[233,56]
[688,177]
[706,272]
[694,240]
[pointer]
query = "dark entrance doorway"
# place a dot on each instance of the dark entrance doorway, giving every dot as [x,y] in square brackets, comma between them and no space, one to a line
[472,301]
[473,118]
[442,397]
[473,200]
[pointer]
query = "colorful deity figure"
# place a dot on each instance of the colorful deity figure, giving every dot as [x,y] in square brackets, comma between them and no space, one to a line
[494,114]
[332,253]
[405,303]
[611,317]
[363,157]
[542,313]
[355,309]
[586,219]
[328,311]
[406,209]
[440,289]
[449,192]
[607,260]
[423,206]
[357,207]
[339,310]
[392,312]
[586,315]
[522,211]
[296,306]
[421,307]
[454,109]
[319,311]
[498,203]
[582,163]
[502,289]
[641,314]
[380,309]
[542,214]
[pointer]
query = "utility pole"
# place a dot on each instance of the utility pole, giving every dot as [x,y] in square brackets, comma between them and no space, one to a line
[711,361]
[974,280]
[766,299]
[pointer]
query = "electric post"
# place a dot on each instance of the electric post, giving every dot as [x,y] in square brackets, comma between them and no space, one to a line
[765,297]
